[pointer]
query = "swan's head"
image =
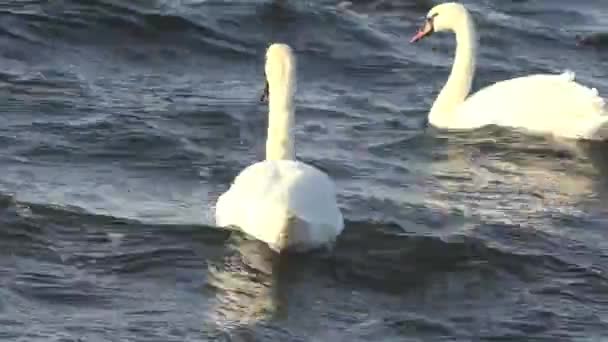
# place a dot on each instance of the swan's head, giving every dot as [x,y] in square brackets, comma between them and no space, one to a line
[443,17]
[280,73]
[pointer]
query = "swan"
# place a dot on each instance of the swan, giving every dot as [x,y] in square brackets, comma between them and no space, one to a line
[289,205]
[545,104]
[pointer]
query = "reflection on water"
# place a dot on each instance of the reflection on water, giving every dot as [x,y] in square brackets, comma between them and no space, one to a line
[517,182]
[245,284]
[252,284]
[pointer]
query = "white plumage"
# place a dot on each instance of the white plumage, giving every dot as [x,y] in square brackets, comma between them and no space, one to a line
[283,202]
[542,104]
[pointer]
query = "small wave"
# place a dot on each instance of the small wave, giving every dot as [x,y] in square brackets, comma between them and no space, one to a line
[53,285]
[385,258]
[110,22]
[597,40]
[137,261]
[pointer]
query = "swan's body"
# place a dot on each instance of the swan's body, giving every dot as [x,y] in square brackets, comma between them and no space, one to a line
[543,103]
[283,202]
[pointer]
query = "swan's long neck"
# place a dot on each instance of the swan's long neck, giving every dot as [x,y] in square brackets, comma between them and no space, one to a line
[280,141]
[459,83]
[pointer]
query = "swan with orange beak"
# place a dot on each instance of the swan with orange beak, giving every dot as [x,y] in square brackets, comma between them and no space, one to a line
[540,104]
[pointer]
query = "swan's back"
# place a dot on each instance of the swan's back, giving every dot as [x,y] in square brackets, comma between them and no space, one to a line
[285,203]
[545,104]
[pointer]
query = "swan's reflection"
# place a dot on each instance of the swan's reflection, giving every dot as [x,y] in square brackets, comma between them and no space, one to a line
[522,181]
[244,283]
[251,285]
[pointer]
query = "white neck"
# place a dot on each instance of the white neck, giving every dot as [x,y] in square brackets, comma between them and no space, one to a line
[459,83]
[280,142]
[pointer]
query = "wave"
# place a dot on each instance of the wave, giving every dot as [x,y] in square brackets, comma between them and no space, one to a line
[597,40]
[379,253]
[383,257]
[107,22]
[241,31]
[74,257]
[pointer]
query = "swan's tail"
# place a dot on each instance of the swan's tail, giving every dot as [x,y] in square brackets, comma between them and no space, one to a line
[598,130]
[593,124]
[599,102]
[588,94]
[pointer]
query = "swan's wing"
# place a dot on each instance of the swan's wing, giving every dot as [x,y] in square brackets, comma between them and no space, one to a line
[541,103]
[270,192]
[310,193]
[252,188]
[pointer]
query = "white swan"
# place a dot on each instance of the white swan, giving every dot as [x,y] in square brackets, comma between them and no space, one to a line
[283,202]
[541,104]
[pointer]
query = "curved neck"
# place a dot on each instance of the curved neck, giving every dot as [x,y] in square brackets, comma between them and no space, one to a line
[459,83]
[279,142]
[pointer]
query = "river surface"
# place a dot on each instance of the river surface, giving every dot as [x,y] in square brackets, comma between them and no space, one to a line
[121,122]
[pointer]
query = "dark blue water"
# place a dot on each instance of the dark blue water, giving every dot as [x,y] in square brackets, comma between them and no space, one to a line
[122,121]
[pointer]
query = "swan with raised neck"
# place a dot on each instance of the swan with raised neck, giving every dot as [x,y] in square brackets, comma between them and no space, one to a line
[281,201]
[541,104]
[452,17]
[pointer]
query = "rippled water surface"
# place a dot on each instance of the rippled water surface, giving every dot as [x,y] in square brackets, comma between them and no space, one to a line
[122,121]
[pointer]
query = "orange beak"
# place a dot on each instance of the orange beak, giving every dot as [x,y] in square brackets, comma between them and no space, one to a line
[425,30]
